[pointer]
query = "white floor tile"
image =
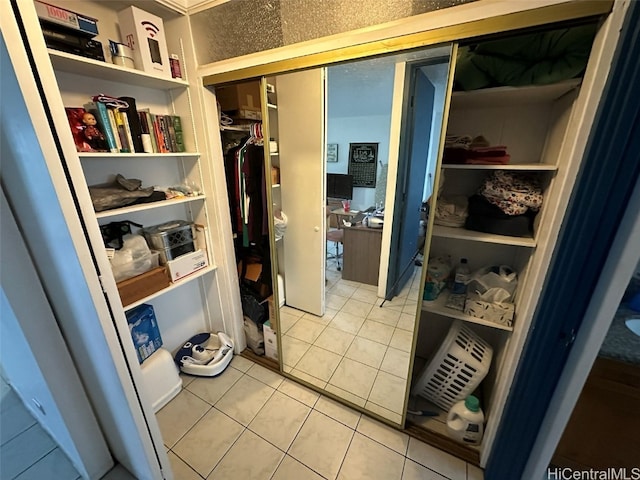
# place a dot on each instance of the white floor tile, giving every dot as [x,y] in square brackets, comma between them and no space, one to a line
[378,332]
[474,473]
[178,416]
[54,465]
[366,351]
[347,322]
[211,389]
[394,417]
[396,362]
[287,321]
[354,377]
[357,308]
[298,392]
[365,295]
[245,399]
[384,315]
[345,395]
[279,420]
[306,330]
[410,308]
[180,469]
[291,469]
[406,322]
[319,363]
[388,392]
[381,433]
[305,377]
[415,471]
[19,453]
[368,460]
[250,457]
[293,350]
[437,460]
[342,290]
[291,311]
[335,302]
[266,376]
[240,363]
[321,444]
[325,319]
[207,442]
[402,340]
[338,411]
[334,340]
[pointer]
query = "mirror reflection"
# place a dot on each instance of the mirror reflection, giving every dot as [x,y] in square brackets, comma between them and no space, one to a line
[354,147]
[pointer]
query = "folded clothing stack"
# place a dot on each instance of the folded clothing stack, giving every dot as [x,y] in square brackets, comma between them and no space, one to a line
[506,204]
[463,149]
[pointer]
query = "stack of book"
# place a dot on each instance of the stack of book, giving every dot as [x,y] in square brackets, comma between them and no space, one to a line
[117,126]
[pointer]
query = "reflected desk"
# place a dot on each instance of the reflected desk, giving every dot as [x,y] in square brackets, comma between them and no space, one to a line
[361,254]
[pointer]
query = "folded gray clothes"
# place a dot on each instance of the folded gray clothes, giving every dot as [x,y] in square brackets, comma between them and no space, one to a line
[120,193]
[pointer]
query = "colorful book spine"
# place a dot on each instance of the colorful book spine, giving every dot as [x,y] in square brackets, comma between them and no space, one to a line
[172,133]
[114,128]
[159,134]
[99,110]
[133,123]
[177,127]
[127,129]
[152,133]
[122,132]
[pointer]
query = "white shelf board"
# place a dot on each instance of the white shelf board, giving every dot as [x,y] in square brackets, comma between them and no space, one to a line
[437,306]
[464,234]
[274,154]
[135,155]
[275,185]
[173,286]
[511,96]
[232,128]
[532,167]
[272,106]
[67,62]
[147,206]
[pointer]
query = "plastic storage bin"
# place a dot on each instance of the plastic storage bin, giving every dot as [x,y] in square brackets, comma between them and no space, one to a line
[161,379]
[457,368]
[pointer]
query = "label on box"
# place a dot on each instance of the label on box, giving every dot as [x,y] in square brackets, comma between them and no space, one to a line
[187,264]
[50,13]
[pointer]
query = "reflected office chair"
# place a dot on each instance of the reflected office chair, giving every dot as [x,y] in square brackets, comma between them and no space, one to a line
[336,237]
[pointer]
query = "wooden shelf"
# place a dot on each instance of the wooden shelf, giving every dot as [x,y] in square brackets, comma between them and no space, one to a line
[438,307]
[135,155]
[66,62]
[532,167]
[173,286]
[471,235]
[147,206]
[511,96]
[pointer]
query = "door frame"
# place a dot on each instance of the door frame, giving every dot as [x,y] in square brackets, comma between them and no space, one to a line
[593,241]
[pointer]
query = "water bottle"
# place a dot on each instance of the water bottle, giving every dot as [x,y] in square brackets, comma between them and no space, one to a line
[461,278]
[465,421]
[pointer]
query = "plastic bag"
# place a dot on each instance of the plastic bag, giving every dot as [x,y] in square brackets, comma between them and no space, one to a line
[134,258]
[279,225]
[495,284]
[438,271]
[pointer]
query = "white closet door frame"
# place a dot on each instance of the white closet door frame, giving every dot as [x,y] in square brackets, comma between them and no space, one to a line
[107,365]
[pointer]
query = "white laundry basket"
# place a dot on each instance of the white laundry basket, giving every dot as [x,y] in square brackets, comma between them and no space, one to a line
[458,367]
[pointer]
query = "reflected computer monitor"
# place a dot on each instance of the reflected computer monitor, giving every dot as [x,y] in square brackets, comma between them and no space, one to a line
[340,186]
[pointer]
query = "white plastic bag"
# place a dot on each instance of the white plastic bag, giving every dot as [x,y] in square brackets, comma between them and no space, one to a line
[496,284]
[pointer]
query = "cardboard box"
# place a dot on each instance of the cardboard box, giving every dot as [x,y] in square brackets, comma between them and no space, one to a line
[144,330]
[270,341]
[242,96]
[144,34]
[187,264]
[140,286]
[493,312]
[78,22]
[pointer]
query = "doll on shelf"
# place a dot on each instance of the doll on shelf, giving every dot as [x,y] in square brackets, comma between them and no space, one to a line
[92,134]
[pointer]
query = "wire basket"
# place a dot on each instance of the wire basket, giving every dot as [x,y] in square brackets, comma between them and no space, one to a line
[458,367]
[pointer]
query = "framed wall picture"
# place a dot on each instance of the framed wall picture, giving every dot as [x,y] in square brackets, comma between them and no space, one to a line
[332,152]
[363,164]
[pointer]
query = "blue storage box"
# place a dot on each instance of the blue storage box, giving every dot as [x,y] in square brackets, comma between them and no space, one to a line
[144,330]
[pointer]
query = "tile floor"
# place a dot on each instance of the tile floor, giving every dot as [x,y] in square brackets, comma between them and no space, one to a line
[27,451]
[252,423]
[356,350]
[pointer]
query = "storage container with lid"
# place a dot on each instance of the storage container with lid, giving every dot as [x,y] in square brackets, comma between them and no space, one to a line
[171,239]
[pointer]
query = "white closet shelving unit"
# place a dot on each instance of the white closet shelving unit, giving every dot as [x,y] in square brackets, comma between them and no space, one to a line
[531,121]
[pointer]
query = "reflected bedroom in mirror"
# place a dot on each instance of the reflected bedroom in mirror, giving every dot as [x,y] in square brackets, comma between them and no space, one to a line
[357,145]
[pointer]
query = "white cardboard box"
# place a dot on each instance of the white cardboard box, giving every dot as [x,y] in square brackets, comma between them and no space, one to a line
[270,342]
[187,264]
[144,34]
[497,313]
